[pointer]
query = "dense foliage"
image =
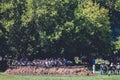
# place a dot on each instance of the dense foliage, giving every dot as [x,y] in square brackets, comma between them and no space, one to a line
[57,28]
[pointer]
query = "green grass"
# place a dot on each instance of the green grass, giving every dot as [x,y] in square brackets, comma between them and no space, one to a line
[46,77]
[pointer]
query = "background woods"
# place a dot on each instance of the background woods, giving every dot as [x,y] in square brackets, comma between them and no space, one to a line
[59,28]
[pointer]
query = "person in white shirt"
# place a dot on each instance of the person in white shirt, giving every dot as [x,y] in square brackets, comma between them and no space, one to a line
[118,68]
[111,68]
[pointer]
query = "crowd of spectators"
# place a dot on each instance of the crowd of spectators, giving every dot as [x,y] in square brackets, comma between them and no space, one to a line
[48,62]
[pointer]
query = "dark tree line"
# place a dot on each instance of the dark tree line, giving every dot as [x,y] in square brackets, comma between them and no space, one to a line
[58,28]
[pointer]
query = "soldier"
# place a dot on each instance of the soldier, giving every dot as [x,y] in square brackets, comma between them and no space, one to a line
[112,68]
[93,66]
[118,68]
[103,68]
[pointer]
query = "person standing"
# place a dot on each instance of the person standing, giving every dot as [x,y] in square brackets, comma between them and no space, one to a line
[93,66]
[111,68]
[103,67]
[118,68]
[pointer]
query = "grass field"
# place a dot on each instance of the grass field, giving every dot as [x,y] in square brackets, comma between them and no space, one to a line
[46,77]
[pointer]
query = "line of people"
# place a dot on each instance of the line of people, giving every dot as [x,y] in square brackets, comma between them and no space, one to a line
[110,69]
[40,63]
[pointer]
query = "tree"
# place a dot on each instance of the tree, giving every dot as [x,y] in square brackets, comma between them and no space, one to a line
[117,45]
[16,16]
[92,23]
[5,23]
[117,5]
[55,27]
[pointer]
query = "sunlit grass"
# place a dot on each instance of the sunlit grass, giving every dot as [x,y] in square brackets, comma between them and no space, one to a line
[56,77]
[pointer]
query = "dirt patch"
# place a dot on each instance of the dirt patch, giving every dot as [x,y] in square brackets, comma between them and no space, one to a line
[32,70]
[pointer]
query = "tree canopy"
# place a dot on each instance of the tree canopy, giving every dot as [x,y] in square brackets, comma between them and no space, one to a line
[57,28]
